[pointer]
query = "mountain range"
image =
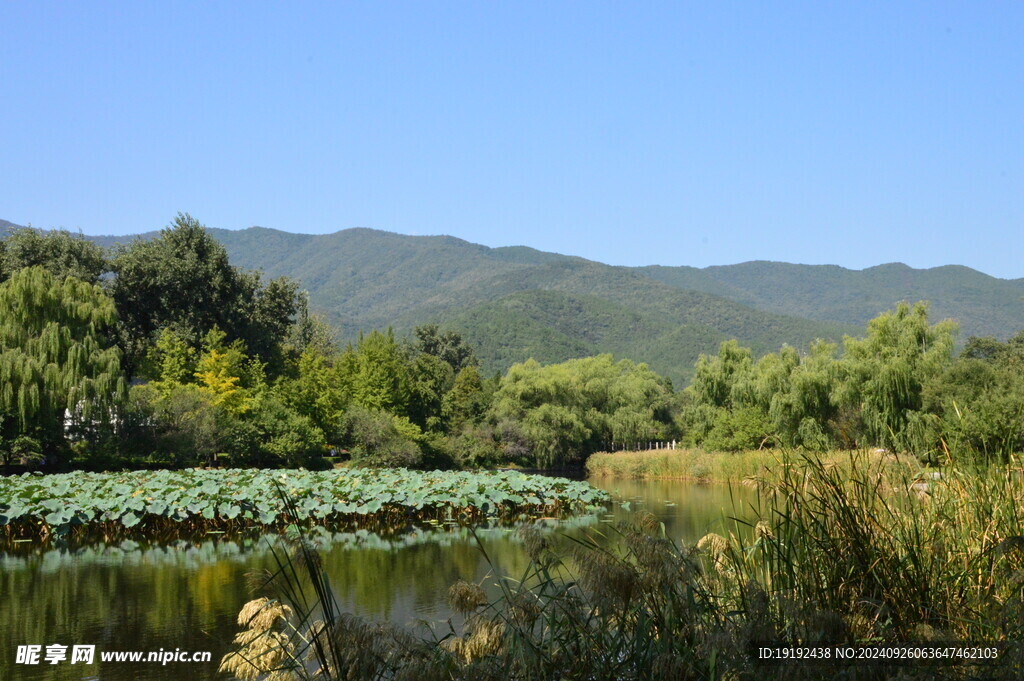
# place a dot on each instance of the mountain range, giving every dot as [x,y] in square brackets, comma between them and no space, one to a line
[516,302]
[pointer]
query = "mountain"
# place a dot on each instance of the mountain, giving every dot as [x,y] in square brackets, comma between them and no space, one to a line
[512,303]
[6,227]
[517,302]
[984,305]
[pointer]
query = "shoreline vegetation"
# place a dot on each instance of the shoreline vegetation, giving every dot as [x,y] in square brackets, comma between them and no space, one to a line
[161,354]
[837,555]
[705,467]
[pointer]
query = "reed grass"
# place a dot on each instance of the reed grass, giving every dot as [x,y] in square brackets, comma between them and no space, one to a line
[698,465]
[839,551]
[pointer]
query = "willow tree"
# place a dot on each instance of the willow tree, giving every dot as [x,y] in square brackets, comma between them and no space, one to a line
[882,375]
[572,409]
[58,368]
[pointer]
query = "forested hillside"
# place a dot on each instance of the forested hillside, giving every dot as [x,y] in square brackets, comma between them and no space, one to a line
[516,302]
[982,304]
[512,303]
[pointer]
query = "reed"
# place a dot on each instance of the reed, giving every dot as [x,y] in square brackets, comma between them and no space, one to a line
[843,552]
[698,465]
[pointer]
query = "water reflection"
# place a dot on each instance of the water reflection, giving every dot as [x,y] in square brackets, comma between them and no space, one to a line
[187,594]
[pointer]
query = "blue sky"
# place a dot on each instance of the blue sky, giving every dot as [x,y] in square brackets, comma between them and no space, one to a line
[632,133]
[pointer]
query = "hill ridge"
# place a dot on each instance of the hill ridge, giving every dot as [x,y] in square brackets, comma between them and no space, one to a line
[365,278]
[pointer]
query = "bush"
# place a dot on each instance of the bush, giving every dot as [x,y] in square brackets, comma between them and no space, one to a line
[21,451]
[178,423]
[287,438]
[747,428]
[380,439]
[476,446]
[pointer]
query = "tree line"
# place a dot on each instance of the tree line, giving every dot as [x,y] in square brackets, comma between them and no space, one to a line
[902,387]
[160,353]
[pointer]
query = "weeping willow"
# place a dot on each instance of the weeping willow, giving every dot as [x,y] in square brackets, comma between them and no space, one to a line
[55,356]
[885,372]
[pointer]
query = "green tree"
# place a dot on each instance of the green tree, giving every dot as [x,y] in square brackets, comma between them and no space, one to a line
[978,401]
[448,346]
[882,375]
[430,379]
[182,280]
[60,252]
[377,438]
[56,359]
[467,401]
[714,377]
[569,410]
[375,373]
[177,425]
[171,359]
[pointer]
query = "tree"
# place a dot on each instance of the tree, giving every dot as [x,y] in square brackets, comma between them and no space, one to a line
[449,346]
[430,379]
[316,392]
[182,280]
[375,373]
[61,253]
[56,357]
[715,377]
[466,401]
[572,409]
[979,399]
[883,374]
[377,438]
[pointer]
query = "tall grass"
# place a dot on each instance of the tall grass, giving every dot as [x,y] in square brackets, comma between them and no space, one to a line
[840,552]
[698,465]
[891,556]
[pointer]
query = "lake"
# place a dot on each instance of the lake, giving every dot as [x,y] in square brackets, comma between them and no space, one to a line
[186,595]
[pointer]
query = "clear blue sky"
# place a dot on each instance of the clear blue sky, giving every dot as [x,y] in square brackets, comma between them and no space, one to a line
[633,133]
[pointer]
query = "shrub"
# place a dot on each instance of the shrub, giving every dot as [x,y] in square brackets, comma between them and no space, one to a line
[378,438]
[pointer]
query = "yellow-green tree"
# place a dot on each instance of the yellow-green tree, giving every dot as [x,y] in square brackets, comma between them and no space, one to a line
[221,372]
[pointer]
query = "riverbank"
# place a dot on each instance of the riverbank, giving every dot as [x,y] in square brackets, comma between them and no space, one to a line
[697,465]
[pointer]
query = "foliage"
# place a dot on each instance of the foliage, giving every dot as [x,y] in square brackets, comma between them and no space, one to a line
[274,435]
[979,400]
[884,373]
[375,373]
[177,424]
[182,280]
[57,368]
[899,387]
[378,438]
[244,498]
[569,410]
[59,252]
[223,371]
[21,450]
[448,346]
[316,391]
[467,400]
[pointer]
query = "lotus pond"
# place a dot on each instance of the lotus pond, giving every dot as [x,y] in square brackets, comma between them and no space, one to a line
[164,503]
[135,592]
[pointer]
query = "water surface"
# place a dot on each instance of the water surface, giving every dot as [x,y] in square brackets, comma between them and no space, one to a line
[186,595]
